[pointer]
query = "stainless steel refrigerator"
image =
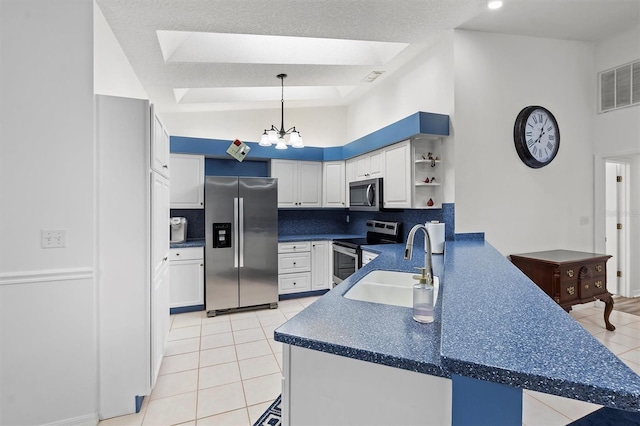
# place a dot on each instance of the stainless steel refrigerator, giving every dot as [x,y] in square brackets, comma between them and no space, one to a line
[241,253]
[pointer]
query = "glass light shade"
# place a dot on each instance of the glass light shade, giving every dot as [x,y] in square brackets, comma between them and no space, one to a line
[273,136]
[293,139]
[264,140]
[298,142]
[494,4]
[281,144]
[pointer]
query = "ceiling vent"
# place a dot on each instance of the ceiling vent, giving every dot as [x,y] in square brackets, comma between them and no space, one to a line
[620,87]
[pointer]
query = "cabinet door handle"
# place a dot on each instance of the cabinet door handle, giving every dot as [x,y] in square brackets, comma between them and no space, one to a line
[598,284]
[570,273]
[177,254]
[165,259]
[164,166]
[202,264]
[598,268]
[571,290]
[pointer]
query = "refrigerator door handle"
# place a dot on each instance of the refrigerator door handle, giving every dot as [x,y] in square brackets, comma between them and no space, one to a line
[241,226]
[235,232]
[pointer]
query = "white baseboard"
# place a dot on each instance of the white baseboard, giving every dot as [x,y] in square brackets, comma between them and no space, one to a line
[88,420]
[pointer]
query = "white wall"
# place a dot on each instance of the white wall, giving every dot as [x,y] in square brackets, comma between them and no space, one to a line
[519,208]
[424,84]
[320,127]
[113,74]
[47,296]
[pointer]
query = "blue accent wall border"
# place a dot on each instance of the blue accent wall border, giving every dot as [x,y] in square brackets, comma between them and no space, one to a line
[418,123]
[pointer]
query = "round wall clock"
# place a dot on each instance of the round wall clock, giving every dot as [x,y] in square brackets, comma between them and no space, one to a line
[536,136]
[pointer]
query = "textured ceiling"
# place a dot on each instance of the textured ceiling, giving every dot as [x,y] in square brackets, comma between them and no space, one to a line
[173,85]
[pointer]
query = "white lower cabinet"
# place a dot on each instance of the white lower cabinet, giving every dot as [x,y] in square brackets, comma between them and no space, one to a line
[187,277]
[321,265]
[304,266]
[367,257]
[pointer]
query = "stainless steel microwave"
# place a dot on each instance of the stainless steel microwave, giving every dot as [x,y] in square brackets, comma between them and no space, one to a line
[366,195]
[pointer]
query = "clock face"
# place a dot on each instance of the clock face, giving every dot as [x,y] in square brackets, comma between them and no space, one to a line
[536,136]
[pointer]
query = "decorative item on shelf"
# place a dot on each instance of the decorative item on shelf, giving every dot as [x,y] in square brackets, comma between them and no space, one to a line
[433,180]
[423,156]
[275,135]
[430,156]
[426,180]
[430,203]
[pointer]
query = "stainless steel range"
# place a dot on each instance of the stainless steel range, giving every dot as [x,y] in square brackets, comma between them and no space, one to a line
[347,253]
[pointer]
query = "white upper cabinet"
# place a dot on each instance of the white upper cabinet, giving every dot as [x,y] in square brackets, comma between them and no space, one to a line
[187,181]
[159,146]
[397,175]
[370,165]
[299,183]
[350,176]
[333,184]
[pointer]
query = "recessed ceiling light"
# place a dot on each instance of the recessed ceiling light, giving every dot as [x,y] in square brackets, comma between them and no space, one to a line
[494,4]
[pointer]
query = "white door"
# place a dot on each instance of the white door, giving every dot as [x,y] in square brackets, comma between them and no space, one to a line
[333,184]
[397,176]
[309,184]
[187,181]
[285,171]
[320,276]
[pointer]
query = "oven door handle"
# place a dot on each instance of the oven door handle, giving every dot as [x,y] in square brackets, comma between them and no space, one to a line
[345,250]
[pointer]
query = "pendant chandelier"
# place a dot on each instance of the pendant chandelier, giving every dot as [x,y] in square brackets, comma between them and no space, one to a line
[276,136]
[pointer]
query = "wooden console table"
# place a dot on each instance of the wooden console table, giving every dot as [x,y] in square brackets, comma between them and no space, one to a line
[569,277]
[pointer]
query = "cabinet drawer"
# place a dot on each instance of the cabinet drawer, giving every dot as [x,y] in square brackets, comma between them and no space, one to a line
[592,286]
[186,253]
[294,262]
[569,290]
[293,283]
[294,247]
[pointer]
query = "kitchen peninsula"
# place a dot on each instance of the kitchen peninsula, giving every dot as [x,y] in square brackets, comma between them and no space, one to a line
[495,334]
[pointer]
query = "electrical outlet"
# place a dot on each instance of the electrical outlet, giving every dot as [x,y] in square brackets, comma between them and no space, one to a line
[53,238]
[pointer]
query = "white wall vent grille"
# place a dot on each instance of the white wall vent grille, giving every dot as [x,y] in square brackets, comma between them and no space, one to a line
[620,87]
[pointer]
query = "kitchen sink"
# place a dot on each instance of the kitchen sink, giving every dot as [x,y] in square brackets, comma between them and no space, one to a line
[387,288]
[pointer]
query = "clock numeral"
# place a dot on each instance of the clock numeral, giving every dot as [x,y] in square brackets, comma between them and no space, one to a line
[552,137]
[535,150]
[535,119]
[530,143]
[550,145]
[528,133]
[549,128]
[530,125]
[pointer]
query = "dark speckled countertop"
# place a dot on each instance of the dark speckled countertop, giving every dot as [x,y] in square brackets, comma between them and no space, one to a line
[491,323]
[188,243]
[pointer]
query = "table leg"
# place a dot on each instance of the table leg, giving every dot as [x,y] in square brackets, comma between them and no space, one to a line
[608,307]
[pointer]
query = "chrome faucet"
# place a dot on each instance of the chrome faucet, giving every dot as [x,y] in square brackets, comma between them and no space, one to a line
[408,250]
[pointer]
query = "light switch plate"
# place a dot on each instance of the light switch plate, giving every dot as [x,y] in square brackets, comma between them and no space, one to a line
[53,238]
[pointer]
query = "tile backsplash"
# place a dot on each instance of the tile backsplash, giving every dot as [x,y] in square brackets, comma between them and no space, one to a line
[333,221]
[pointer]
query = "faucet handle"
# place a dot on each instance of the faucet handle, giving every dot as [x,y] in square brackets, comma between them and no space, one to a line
[422,277]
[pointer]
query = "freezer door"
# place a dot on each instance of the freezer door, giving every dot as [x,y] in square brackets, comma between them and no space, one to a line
[258,241]
[222,236]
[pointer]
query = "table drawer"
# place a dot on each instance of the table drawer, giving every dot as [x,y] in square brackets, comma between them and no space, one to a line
[294,262]
[592,286]
[294,247]
[569,291]
[293,283]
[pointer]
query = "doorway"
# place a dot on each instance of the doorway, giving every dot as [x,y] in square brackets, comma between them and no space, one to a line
[622,221]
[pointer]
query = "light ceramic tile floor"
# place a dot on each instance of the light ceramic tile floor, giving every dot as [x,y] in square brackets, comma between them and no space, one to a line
[226,370]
